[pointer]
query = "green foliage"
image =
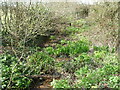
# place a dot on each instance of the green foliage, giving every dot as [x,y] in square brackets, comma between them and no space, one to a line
[102,48]
[99,54]
[70,66]
[52,37]
[84,57]
[114,81]
[73,48]
[49,50]
[78,62]
[23,24]
[60,84]
[41,63]
[70,49]
[88,77]
[63,42]
[78,26]
[80,22]
[82,71]
[12,72]
[72,29]
[104,57]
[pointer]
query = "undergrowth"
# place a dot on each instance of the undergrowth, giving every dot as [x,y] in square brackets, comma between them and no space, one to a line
[98,69]
[82,64]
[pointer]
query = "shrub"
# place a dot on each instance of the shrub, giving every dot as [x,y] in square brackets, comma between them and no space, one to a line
[82,11]
[105,18]
[23,23]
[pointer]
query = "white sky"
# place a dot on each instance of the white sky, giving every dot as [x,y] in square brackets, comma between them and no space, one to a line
[52,0]
[83,1]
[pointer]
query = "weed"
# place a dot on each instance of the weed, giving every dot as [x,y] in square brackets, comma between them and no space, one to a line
[73,48]
[60,84]
[12,73]
[41,63]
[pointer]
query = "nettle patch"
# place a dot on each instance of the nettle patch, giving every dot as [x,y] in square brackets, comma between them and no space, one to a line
[91,71]
[71,48]
[15,72]
[12,71]
[40,63]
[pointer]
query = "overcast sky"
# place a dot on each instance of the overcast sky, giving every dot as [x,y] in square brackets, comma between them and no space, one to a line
[52,0]
[83,1]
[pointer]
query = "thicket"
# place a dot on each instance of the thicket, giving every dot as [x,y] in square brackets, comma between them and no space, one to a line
[105,17]
[25,27]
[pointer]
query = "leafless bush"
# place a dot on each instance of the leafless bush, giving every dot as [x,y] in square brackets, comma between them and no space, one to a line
[105,16]
[82,11]
[22,23]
